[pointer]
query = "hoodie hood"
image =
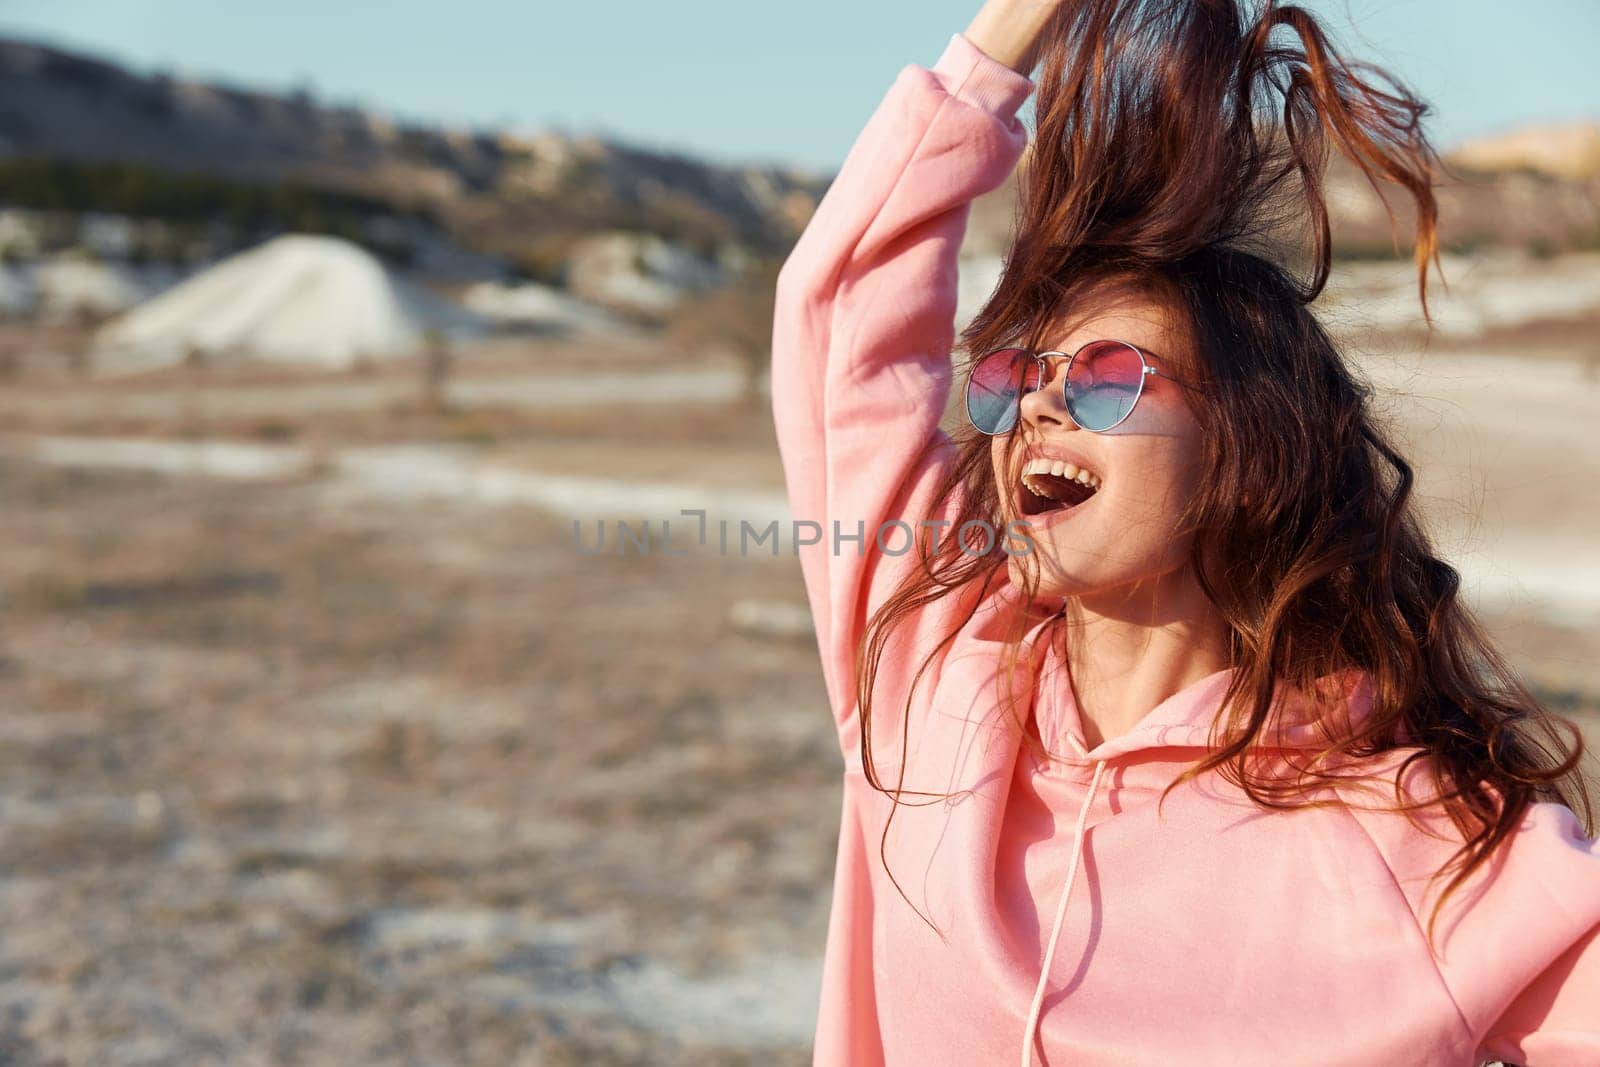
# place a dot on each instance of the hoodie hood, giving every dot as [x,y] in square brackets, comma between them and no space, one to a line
[1178,731]
[1185,720]
[1119,775]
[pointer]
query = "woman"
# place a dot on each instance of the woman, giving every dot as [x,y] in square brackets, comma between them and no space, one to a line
[1206,764]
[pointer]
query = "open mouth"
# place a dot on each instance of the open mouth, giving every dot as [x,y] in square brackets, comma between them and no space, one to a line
[1053,485]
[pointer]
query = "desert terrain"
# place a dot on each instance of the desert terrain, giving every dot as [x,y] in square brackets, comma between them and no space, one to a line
[323,743]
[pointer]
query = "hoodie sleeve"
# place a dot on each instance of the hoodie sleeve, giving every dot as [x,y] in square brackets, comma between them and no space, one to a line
[1536,982]
[863,329]
[1555,1020]
[1516,945]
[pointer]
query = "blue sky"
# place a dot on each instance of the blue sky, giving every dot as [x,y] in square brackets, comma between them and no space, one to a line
[747,80]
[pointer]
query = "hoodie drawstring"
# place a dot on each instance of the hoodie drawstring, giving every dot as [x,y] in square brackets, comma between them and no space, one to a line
[1061,911]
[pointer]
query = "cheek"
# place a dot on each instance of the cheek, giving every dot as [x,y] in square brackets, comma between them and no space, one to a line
[1160,414]
[1184,479]
[1168,450]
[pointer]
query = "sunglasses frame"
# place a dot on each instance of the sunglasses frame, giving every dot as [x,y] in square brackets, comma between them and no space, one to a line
[1040,366]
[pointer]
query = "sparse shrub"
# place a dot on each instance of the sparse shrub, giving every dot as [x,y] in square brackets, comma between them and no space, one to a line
[735,318]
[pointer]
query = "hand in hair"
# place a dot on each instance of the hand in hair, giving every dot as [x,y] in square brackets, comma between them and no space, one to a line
[1164,127]
[1009,30]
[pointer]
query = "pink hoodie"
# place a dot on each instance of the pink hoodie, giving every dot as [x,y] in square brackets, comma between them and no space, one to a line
[1079,924]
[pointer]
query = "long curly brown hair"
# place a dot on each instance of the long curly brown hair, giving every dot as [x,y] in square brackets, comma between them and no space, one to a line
[1181,145]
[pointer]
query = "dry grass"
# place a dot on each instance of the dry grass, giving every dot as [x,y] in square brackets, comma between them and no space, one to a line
[288,783]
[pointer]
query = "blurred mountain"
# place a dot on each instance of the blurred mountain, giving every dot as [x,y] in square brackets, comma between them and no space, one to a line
[526,198]
[1479,207]
[82,135]
[1564,150]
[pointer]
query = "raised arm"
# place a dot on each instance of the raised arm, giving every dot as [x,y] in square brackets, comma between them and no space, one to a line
[865,322]
[1008,30]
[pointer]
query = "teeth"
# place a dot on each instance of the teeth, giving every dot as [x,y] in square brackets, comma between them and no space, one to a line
[1059,468]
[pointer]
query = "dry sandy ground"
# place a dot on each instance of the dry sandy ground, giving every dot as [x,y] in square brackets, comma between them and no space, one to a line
[289,780]
[322,744]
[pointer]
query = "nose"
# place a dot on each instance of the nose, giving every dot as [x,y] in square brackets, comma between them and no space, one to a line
[1045,407]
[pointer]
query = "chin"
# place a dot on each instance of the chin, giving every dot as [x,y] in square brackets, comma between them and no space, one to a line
[1053,582]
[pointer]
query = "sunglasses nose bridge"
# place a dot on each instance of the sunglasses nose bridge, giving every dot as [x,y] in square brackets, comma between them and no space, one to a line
[1049,366]
[1046,400]
[1041,375]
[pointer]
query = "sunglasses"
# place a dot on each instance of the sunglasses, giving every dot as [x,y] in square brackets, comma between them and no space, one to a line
[1103,382]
